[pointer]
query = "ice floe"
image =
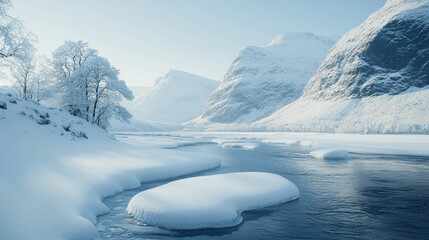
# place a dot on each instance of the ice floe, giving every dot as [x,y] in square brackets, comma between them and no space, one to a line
[214,201]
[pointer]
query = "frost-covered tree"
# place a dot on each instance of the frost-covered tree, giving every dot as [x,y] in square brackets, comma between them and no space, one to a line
[29,77]
[71,74]
[15,40]
[88,84]
[106,92]
[23,73]
[17,53]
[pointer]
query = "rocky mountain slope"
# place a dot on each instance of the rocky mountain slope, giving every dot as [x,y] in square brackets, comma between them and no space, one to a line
[375,79]
[263,79]
[388,53]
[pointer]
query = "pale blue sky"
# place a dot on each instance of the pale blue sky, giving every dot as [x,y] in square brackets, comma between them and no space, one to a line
[145,38]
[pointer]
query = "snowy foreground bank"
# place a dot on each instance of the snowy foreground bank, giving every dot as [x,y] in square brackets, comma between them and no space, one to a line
[55,170]
[58,194]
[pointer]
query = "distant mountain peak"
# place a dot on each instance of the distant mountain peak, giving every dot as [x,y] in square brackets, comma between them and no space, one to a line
[181,76]
[176,97]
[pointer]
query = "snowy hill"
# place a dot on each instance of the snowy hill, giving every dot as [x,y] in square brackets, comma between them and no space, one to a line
[374,80]
[24,118]
[176,97]
[263,79]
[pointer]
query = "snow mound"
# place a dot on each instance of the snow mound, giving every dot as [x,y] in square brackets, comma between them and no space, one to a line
[175,98]
[330,154]
[210,201]
[236,143]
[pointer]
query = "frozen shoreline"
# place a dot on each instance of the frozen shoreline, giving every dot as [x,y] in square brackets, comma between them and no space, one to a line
[67,183]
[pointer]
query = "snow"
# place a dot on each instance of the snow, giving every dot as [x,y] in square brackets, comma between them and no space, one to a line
[214,201]
[176,97]
[154,141]
[240,145]
[389,144]
[330,154]
[403,113]
[53,179]
[263,79]
[237,143]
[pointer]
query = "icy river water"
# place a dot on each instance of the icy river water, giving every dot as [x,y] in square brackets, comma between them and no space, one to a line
[364,197]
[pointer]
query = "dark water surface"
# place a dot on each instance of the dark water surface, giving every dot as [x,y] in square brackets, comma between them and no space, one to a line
[365,197]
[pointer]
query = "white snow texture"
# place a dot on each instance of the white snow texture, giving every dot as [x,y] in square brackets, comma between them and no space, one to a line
[210,201]
[330,154]
[55,169]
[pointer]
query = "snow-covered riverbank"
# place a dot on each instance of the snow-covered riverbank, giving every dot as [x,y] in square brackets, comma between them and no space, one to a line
[55,169]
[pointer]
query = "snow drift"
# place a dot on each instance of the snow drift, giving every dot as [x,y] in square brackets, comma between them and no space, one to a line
[210,201]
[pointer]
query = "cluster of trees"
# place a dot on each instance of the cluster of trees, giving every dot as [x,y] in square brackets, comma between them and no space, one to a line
[75,78]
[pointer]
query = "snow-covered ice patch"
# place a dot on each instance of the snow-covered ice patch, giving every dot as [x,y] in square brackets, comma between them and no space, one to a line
[236,143]
[330,154]
[214,201]
[241,145]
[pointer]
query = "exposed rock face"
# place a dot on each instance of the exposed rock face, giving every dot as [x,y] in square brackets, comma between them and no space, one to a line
[261,80]
[387,54]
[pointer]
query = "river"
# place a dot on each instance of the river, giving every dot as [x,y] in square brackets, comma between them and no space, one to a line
[364,197]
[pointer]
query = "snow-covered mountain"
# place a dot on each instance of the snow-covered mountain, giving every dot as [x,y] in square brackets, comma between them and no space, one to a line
[388,53]
[375,79]
[175,98]
[263,79]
